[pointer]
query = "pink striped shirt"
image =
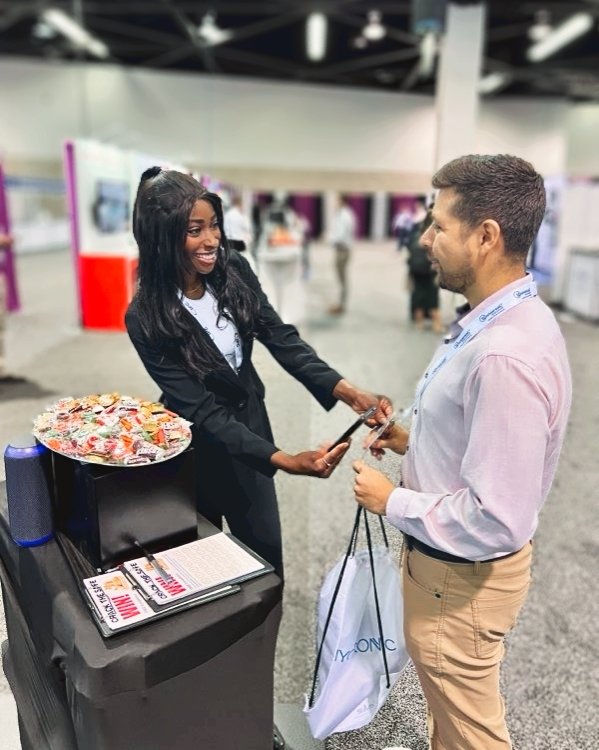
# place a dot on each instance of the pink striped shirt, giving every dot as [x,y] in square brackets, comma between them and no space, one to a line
[486,437]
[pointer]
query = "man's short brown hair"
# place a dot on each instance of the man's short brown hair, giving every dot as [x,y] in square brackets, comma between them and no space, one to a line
[500,187]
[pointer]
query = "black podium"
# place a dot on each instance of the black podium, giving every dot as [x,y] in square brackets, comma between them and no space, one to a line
[201,678]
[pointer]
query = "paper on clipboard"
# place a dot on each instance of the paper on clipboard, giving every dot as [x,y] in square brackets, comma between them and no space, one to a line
[194,567]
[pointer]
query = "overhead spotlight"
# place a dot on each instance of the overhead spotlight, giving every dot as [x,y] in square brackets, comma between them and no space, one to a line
[560,36]
[541,26]
[316,36]
[359,42]
[374,30]
[493,82]
[210,33]
[43,30]
[74,32]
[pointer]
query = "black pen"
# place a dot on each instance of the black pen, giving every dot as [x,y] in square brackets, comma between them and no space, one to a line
[153,562]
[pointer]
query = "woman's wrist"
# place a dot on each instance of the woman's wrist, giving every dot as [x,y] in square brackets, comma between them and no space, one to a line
[345,392]
[281,460]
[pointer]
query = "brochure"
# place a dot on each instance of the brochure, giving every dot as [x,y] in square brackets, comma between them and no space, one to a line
[150,587]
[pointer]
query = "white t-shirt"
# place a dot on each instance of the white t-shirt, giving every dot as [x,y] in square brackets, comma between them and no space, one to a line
[237,226]
[225,335]
[344,227]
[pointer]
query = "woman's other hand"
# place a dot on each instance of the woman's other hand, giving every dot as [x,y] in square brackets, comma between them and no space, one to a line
[320,463]
[360,401]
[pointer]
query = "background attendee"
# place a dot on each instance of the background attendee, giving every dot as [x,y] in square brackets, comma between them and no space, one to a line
[402,225]
[342,236]
[303,227]
[488,422]
[424,291]
[238,229]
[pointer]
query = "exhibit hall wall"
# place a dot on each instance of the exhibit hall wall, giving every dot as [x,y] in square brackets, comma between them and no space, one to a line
[254,126]
[267,135]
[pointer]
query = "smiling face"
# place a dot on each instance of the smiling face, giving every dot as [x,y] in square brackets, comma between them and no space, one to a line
[451,246]
[202,239]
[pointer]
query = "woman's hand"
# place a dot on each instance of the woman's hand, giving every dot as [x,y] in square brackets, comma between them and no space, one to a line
[360,401]
[321,463]
[394,438]
[371,488]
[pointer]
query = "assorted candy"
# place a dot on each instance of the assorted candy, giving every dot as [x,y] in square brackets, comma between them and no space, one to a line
[112,429]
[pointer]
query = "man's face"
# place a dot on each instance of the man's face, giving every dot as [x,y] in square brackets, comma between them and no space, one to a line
[449,243]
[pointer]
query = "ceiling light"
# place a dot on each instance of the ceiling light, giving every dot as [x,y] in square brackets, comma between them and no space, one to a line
[541,26]
[74,32]
[374,30]
[566,32]
[43,30]
[360,43]
[493,82]
[210,33]
[316,36]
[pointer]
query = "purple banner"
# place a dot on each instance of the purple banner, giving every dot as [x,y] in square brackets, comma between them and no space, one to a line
[306,205]
[7,260]
[359,205]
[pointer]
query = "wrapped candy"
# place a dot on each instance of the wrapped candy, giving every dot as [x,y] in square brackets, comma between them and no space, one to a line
[112,429]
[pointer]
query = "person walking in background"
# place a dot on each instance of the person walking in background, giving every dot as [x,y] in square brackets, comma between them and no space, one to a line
[403,223]
[238,229]
[424,291]
[304,229]
[342,237]
[488,422]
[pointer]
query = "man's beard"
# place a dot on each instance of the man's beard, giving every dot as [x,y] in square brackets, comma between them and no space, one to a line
[456,282]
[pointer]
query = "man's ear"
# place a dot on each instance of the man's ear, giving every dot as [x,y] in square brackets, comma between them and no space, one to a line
[489,235]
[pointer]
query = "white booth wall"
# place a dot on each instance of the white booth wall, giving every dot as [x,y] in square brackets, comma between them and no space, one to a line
[237,123]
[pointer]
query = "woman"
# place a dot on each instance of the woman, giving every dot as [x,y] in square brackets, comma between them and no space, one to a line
[424,297]
[193,320]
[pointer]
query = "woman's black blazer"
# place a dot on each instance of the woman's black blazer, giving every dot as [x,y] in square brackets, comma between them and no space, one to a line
[227,408]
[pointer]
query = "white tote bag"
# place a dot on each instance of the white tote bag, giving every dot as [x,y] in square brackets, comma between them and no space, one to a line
[360,634]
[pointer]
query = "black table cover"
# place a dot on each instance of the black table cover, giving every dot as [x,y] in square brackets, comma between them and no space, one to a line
[201,678]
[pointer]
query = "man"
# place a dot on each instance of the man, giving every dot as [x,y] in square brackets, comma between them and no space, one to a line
[342,237]
[488,423]
[239,230]
[403,224]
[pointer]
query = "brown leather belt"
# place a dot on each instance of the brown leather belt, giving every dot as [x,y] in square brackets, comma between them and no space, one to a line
[437,554]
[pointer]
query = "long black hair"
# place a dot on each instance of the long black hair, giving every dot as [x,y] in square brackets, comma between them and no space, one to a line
[164,202]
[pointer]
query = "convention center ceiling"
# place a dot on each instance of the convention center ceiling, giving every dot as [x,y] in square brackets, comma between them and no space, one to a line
[358,44]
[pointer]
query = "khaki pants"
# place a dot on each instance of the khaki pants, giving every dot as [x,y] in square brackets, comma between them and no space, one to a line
[456,617]
[341,260]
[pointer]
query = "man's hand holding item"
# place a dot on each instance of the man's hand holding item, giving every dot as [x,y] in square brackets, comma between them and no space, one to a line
[371,488]
[394,438]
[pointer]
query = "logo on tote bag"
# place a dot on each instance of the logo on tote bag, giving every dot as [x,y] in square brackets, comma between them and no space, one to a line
[365,646]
